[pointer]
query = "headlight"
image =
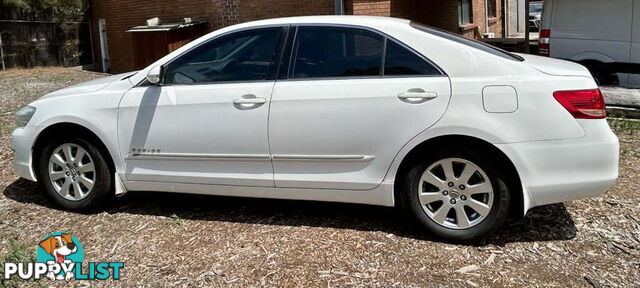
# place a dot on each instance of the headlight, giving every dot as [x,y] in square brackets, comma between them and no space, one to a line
[24,115]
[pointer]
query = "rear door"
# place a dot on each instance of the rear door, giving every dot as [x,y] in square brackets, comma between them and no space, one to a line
[352,99]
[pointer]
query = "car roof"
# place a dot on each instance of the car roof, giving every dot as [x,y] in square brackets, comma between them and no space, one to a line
[330,19]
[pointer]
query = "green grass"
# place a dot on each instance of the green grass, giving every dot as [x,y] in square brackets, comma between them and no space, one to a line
[176,220]
[622,125]
[606,240]
[18,252]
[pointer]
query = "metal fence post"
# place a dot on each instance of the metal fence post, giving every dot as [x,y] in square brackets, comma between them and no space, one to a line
[1,52]
[339,7]
[93,56]
[527,37]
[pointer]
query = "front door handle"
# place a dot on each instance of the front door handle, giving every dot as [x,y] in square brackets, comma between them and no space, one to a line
[416,96]
[249,101]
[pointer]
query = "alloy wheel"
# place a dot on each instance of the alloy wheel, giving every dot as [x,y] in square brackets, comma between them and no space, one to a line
[72,171]
[455,193]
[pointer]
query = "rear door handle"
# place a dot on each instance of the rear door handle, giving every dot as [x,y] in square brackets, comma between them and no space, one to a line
[249,101]
[417,96]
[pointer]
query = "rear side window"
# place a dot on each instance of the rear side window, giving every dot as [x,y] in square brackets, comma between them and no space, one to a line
[399,61]
[346,52]
[336,52]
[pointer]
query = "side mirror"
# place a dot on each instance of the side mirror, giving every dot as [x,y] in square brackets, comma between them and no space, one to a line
[154,75]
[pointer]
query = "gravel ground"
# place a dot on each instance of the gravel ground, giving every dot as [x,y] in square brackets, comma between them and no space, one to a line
[171,240]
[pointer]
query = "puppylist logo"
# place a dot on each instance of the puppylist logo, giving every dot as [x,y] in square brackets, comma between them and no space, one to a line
[60,257]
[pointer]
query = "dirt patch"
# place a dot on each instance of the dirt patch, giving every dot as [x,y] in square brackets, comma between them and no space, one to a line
[171,240]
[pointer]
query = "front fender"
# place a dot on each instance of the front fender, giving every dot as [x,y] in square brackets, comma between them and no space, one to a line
[105,134]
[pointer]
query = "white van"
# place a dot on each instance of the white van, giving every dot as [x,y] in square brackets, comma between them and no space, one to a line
[602,35]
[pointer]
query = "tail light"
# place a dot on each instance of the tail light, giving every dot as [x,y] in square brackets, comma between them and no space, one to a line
[543,43]
[583,104]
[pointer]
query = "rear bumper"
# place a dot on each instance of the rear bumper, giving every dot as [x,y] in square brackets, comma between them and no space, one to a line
[563,170]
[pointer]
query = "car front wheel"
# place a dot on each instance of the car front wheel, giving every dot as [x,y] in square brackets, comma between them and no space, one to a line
[75,175]
[458,195]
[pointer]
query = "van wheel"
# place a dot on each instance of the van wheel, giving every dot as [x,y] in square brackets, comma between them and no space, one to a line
[601,75]
[459,195]
[75,174]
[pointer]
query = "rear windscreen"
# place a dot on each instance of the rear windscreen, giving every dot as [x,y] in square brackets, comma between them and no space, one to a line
[471,43]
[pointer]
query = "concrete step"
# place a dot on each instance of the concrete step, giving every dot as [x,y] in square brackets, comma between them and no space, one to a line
[622,102]
[623,97]
[623,112]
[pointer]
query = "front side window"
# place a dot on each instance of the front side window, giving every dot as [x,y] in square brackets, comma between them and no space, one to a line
[464,12]
[242,56]
[336,52]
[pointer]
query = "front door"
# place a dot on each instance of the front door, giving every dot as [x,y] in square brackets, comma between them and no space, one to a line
[352,99]
[207,122]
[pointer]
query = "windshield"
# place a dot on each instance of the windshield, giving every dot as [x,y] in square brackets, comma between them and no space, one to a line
[471,43]
[535,8]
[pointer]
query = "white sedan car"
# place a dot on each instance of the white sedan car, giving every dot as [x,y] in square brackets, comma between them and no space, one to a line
[368,110]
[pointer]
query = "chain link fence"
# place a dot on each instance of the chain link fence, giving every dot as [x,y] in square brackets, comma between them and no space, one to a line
[44,43]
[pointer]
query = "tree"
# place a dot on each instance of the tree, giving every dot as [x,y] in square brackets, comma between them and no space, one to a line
[52,10]
[65,15]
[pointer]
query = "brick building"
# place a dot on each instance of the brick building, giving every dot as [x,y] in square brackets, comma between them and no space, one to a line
[111,19]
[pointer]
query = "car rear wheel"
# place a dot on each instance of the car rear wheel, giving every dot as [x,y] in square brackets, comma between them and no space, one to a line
[458,195]
[75,175]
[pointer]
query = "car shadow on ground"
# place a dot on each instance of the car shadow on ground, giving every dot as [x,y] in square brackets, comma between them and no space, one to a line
[546,223]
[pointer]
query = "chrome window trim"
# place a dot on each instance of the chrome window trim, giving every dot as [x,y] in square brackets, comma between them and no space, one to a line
[213,83]
[360,78]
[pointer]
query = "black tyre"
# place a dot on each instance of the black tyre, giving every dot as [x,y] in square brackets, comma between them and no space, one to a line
[601,75]
[75,174]
[457,194]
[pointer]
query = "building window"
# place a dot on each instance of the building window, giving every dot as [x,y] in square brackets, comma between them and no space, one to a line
[464,12]
[492,12]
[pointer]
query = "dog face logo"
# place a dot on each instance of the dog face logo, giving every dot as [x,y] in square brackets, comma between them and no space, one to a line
[59,246]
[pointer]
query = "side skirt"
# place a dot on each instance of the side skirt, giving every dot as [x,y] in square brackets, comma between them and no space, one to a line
[381,196]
